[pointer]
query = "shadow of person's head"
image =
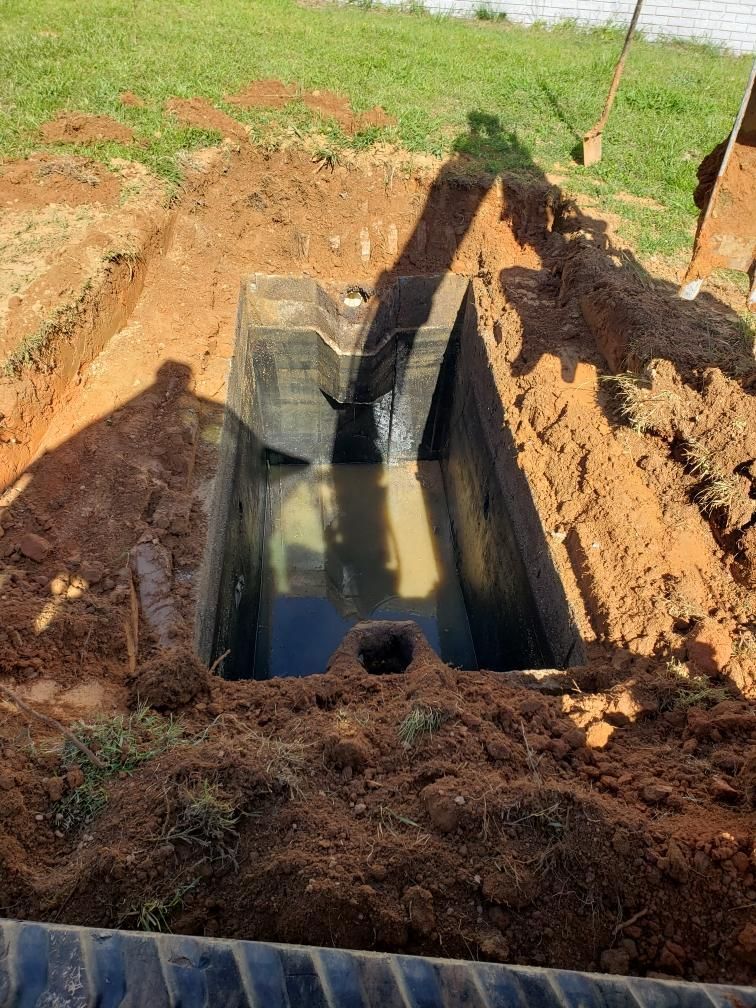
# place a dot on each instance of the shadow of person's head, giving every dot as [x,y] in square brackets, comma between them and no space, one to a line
[493,147]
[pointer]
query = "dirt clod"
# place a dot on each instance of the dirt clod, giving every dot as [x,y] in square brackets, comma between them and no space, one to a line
[747,944]
[34,546]
[200,113]
[599,735]
[419,903]
[171,680]
[92,571]
[82,128]
[131,100]
[55,787]
[616,961]
[440,804]
[656,794]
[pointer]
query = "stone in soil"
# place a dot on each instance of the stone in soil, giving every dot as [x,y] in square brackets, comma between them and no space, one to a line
[34,546]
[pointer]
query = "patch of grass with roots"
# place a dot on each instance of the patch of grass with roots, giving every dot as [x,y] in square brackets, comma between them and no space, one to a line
[122,743]
[155,913]
[421,720]
[716,492]
[205,820]
[681,689]
[635,403]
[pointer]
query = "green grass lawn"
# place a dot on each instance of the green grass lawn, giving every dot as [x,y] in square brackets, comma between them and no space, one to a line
[545,88]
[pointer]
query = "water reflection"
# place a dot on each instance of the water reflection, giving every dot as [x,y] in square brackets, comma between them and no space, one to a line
[350,542]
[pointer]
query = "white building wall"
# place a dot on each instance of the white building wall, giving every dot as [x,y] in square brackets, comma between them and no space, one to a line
[729,23]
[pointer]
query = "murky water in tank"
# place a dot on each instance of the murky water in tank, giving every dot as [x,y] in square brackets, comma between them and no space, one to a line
[345,543]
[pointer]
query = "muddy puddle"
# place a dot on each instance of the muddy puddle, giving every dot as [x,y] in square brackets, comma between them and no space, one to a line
[346,543]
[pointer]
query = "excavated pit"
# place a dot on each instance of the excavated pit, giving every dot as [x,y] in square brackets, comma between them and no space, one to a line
[365,475]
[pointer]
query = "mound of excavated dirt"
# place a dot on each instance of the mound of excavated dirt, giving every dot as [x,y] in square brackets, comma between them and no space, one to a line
[82,128]
[589,831]
[172,679]
[130,100]
[200,113]
[328,104]
[264,94]
[608,826]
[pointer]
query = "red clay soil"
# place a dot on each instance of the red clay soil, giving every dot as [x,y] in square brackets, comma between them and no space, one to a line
[609,825]
[42,179]
[264,94]
[76,284]
[728,238]
[328,104]
[82,128]
[200,113]
[131,100]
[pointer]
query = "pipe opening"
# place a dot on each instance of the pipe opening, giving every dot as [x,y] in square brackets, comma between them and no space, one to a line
[387,655]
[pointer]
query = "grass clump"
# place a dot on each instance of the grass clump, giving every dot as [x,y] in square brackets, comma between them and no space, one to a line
[30,350]
[679,689]
[716,492]
[129,257]
[744,645]
[122,744]
[207,820]
[154,914]
[421,720]
[484,12]
[285,759]
[326,158]
[635,402]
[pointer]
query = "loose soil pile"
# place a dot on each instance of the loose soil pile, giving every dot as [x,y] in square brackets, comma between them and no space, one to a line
[607,825]
[200,113]
[82,128]
[327,104]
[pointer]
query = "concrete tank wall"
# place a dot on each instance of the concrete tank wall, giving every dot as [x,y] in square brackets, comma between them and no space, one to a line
[402,378]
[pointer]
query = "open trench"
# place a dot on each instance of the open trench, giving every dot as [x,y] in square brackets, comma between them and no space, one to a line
[344,426]
[361,478]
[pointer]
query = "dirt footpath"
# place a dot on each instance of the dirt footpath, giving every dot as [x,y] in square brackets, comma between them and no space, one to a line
[602,820]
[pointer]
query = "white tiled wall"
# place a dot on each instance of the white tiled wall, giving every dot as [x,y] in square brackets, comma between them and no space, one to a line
[730,23]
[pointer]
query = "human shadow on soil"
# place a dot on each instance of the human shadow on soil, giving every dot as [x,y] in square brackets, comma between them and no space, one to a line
[84,519]
[577,858]
[592,305]
[454,196]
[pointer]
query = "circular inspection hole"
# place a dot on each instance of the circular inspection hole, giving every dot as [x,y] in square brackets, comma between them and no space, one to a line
[355,296]
[386,655]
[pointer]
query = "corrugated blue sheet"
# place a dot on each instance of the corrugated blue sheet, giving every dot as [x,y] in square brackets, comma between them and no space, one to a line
[47,966]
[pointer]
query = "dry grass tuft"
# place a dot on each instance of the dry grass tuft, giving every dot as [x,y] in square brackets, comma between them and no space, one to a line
[744,645]
[421,720]
[207,820]
[679,689]
[709,341]
[716,492]
[285,760]
[154,914]
[635,402]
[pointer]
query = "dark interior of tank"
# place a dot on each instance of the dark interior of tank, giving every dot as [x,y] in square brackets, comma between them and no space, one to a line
[364,475]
